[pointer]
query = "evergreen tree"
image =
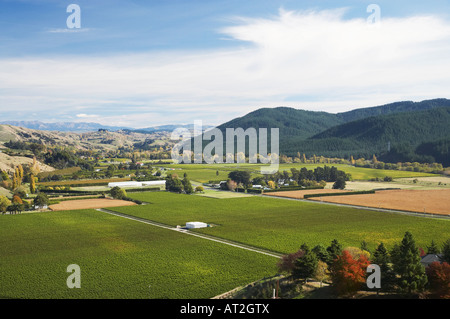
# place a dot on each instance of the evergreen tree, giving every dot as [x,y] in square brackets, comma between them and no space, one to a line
[364,246]
[188,189]
[406,264]
[383,260]
[321,253]
[433,248]
[334,250]
[40,200]
[340,183]
[305,266]
[446,251]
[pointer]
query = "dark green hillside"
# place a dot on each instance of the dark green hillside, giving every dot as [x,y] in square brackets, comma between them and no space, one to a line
[291,122]
[397,107]
[411,128]
[428,152]
[439,150]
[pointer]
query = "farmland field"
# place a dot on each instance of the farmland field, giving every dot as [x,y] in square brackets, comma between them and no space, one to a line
[300,193]
[283,225]
[118,258]
[89,204]
[429,201]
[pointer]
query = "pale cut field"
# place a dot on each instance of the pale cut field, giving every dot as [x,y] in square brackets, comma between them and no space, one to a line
[428,201]
[90,204]
[300,193]
[222,194]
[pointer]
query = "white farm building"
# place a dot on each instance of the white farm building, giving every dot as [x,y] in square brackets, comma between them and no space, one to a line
[137,184]
[191,225]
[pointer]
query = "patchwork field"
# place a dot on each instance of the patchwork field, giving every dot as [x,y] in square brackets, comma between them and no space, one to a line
[122,258]
[428,201]
[118,258]
[90,204]
[283,225]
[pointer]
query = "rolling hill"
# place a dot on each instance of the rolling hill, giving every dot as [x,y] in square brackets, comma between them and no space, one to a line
[360,132]
[411,128]
[99,140]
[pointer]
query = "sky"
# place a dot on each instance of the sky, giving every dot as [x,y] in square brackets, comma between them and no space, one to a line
[143,63]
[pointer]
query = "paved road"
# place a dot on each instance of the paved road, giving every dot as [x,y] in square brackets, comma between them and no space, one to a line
[188,232]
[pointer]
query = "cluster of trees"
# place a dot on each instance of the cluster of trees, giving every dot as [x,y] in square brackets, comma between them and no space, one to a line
[174,184]
[400,165]
[346,269]
[15,182]
[303,177]
[37,148]
[18,204]
[393,160]
[62,158]
[21,174]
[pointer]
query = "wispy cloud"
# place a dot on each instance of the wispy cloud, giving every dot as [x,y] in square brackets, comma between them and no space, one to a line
[67,30]
[309,59]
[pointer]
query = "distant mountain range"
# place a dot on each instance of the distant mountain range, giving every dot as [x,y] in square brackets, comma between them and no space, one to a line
[90,127]
[62,126]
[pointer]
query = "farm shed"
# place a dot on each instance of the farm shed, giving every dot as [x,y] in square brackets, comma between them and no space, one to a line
[191,225]
[125,184]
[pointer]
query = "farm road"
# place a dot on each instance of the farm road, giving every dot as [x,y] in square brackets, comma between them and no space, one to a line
[188,232]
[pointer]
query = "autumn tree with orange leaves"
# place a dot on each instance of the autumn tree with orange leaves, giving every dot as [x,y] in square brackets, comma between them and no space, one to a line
[348,274]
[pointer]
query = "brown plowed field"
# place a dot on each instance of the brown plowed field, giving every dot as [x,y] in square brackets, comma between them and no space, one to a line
[428,201]
[90,204]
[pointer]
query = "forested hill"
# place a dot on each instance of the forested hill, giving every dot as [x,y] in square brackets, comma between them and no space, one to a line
[360,132]
[290,121]
[408,127]
[397,107]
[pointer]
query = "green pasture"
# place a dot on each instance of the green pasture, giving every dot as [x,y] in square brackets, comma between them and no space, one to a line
[118,258]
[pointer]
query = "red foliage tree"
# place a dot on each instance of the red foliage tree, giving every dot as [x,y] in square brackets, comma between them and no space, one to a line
[348,274]
[422,252]
[439,279]
[287,262]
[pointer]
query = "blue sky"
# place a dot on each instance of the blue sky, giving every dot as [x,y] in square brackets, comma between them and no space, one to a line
[143,63]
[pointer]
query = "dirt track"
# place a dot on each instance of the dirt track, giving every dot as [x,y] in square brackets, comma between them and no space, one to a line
[428,201]
[90,204]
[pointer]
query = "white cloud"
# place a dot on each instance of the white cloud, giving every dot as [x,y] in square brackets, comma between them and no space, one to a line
[82,115]
[311,60]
